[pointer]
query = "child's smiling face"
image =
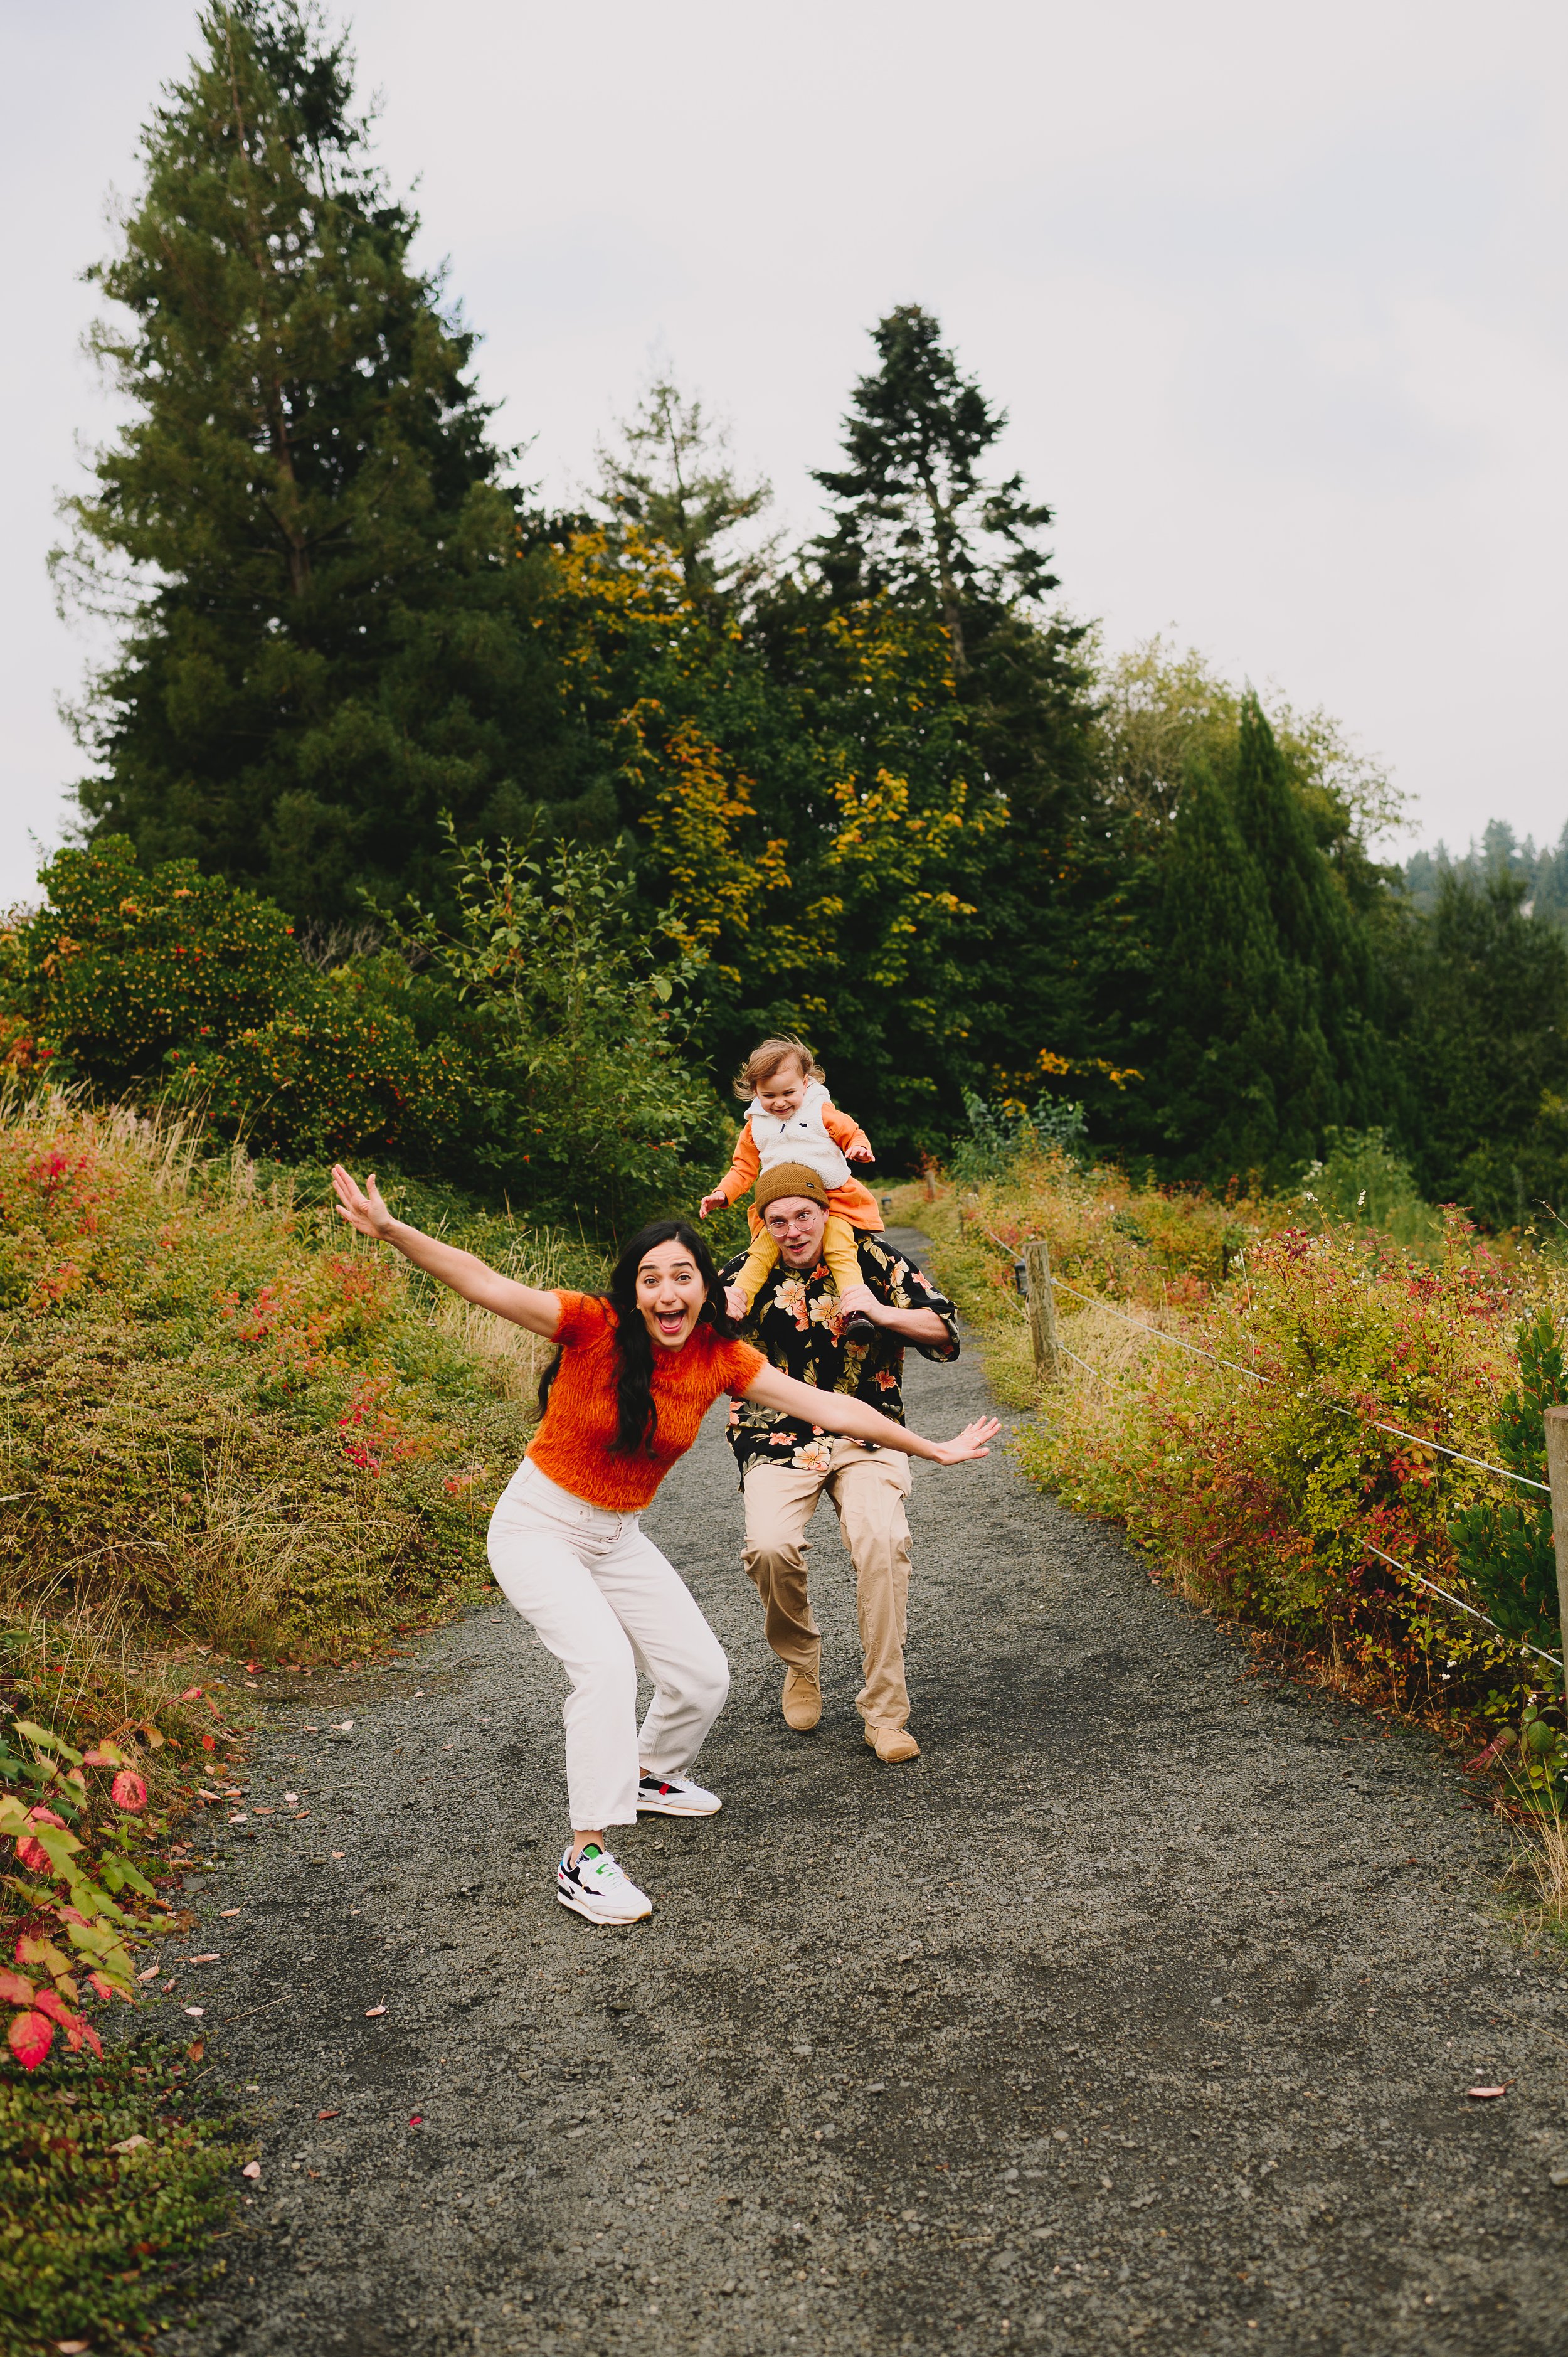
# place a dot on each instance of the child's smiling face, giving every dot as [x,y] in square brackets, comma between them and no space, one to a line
[783,1092]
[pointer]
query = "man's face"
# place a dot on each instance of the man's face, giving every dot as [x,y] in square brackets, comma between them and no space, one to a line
[796,1225]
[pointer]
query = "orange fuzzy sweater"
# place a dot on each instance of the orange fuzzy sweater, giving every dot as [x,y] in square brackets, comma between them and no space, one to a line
[573,1447]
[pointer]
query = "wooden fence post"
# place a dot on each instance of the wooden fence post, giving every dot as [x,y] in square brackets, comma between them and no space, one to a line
[1043,1318]
[1557,1474]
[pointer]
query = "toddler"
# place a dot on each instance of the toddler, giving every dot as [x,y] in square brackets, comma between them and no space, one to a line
[791,1118]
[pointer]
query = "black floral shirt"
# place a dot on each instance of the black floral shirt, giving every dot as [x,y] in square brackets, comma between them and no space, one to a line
[795,1320]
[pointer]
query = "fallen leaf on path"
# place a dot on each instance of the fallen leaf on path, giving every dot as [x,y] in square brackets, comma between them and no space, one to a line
[328,2116]
[194,2011]
[339,1853]
[191,1693]
[196,2050]
[291,1797]
[251,2169]
[73,2348]
[1484,2094]
[207,1960]
[239,1818]
[130,2144]
[342,1725]
[151,1974]
[372,2011]
[228,1910]
[417,2119]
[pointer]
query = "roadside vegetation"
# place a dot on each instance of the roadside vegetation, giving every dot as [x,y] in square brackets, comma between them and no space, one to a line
[1232,1365]
[233,1436]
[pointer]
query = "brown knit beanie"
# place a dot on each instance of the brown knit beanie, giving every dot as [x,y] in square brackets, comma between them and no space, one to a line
[789,1178]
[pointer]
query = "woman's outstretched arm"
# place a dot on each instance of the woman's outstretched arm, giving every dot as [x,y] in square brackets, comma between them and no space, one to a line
[835,1413]
[473,1278]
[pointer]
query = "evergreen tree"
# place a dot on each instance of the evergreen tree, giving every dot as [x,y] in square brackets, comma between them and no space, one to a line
[914,515]
[1486,1050]
[672,478]
[918,520]
[301,529]
[1267,994]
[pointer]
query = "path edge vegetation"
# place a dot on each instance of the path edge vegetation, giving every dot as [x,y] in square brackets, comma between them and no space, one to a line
[1254,1502]
[197,1366]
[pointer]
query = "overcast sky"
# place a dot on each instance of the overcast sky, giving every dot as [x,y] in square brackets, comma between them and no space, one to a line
[1274,296]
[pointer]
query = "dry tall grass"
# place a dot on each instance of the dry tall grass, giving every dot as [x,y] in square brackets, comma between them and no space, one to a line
[225,1419]
[1540,1866]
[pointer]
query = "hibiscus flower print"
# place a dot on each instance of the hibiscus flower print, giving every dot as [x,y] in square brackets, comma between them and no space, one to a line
[825,1310]
[791,1298]
[814,1457]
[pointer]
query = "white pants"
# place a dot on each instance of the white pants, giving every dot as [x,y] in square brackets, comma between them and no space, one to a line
[607,1604]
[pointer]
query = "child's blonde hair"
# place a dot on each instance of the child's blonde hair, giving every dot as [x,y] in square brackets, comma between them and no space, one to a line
[764,1060]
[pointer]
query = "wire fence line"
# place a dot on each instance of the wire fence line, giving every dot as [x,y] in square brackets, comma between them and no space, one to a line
[1407,1571]
[1352,1416]
[1449,1597]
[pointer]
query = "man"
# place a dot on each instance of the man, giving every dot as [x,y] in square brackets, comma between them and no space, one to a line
[797,1320]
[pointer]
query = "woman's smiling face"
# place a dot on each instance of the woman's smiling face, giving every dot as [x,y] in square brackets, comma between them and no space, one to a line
[670,1293]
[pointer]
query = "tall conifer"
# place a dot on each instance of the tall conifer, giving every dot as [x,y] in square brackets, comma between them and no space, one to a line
[301,529]
[1266,999]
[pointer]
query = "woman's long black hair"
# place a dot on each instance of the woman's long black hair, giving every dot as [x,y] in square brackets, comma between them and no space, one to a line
[634,1347]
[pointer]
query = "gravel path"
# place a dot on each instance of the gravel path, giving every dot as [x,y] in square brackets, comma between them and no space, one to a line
[1139,2011]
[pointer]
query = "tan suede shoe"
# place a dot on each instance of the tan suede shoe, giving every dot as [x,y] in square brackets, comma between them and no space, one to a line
[892,1744]
[803,1700]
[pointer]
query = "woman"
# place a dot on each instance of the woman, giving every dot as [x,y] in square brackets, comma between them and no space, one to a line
[633,1376]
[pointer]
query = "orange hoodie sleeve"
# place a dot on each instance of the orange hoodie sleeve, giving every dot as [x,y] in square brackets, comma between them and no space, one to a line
[746,1166]
[843,1129]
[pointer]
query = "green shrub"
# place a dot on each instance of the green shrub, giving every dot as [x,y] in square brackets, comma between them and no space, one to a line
[113,2179]
[1363,1183]
[573,1011]
[1000,1136]
[120,974]
[1502,1543]
[532,1051]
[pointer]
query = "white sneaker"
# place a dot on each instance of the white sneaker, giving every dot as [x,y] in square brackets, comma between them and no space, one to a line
[675,1796]
[595,1888]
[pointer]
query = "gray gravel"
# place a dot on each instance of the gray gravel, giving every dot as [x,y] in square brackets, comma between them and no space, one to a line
[1141,2009]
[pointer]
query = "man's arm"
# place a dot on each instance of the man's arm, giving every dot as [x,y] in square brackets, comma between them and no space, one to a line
[913,1325]
[932,1332]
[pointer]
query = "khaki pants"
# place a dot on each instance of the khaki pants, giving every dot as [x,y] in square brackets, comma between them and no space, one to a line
[868,1488]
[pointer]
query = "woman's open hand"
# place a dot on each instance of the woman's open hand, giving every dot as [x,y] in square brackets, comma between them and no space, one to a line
[971,1442]
[361,1206]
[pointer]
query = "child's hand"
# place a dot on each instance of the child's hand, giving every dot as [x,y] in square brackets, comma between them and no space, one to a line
[714,1202]
[861,1151]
